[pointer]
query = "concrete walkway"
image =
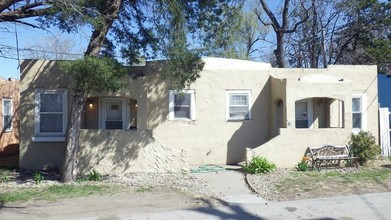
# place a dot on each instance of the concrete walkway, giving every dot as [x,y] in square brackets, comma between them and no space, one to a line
[231,185]
[369,206]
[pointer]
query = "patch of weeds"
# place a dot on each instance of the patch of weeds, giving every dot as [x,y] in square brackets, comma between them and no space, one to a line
[53,193]
[5,176]
[144,189]
[94,176]
[303,164]
[259,165]
[37,178]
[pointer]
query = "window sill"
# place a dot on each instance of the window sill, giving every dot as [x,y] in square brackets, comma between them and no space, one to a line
[48,139]
[239,120]
[182,119]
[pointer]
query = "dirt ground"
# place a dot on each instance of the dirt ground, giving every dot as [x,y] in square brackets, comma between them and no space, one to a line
[105,206]
[283,185]
[131,201]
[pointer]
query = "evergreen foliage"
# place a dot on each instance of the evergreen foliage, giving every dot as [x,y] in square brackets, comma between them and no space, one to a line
[95,74]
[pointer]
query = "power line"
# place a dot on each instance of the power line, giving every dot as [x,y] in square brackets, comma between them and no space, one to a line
[40,51]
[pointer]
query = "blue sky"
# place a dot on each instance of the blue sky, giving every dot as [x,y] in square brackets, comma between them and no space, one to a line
[29,38]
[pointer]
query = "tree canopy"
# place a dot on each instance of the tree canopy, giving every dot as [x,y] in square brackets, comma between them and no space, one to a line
[331,32]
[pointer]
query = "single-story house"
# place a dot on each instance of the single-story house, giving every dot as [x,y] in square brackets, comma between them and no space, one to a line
[9,122]
[236,109]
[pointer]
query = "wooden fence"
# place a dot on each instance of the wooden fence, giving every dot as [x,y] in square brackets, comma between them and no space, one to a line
[384,136]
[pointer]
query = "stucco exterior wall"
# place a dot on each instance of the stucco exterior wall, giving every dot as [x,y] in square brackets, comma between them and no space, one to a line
[121,151]
[288,148]
[9,140]
[336,82]
[107,151]
[38,74]
[160,144]
[211,138]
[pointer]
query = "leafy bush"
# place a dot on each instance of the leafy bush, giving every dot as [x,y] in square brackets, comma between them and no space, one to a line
[37,178]
[94,176]
[363,145]
[259,165]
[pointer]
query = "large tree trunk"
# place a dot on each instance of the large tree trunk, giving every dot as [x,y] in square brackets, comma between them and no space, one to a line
[279,52]
[68,168]
[68,173]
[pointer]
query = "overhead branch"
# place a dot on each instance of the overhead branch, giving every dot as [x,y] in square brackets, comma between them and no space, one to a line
[275,24]
[20,14]
[297,24]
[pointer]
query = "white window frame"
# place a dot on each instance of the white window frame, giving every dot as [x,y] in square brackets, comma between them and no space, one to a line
[124,111]
[171,105]
[50,136]
[363,98]
[11,114]
[246,92]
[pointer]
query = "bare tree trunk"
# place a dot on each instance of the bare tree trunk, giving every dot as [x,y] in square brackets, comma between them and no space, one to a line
[313,41]
[279,52]
[68,168]
[79,97]
[281,28]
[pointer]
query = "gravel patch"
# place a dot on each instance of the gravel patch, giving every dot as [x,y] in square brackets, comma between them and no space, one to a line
[182,182]
[265,184]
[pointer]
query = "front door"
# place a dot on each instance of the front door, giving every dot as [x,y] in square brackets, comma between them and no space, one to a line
[113,113]
[303,112]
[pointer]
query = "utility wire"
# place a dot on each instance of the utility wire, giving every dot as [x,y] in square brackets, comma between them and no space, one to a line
[17,42]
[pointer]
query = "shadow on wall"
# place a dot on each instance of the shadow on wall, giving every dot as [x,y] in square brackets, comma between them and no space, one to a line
[111,150]
[157,89]
[38,74]
[254,132]
[124,151]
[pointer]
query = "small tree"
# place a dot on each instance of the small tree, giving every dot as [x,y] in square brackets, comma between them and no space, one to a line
[363,145]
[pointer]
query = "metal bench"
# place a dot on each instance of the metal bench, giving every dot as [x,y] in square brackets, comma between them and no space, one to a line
[330,155]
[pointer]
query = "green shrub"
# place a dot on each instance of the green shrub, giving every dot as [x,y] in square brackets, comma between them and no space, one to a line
[94,176]
[259,165]
[37,178]
[363,145]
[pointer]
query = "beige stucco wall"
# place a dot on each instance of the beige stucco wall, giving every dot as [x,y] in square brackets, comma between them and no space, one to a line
[210,139]
[336,82]
[38,74]
[121,151]
[107,151]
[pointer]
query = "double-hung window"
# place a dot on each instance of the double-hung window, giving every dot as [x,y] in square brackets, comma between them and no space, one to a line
[182,105]
[7,114]
[50,114]
[358,113]
[238,105]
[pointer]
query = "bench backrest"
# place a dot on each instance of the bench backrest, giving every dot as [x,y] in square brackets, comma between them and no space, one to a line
[329,150]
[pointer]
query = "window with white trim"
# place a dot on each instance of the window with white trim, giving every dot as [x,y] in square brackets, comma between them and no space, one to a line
[357,113]
[238,105]
[7,114]
[50,112]
[182,105]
